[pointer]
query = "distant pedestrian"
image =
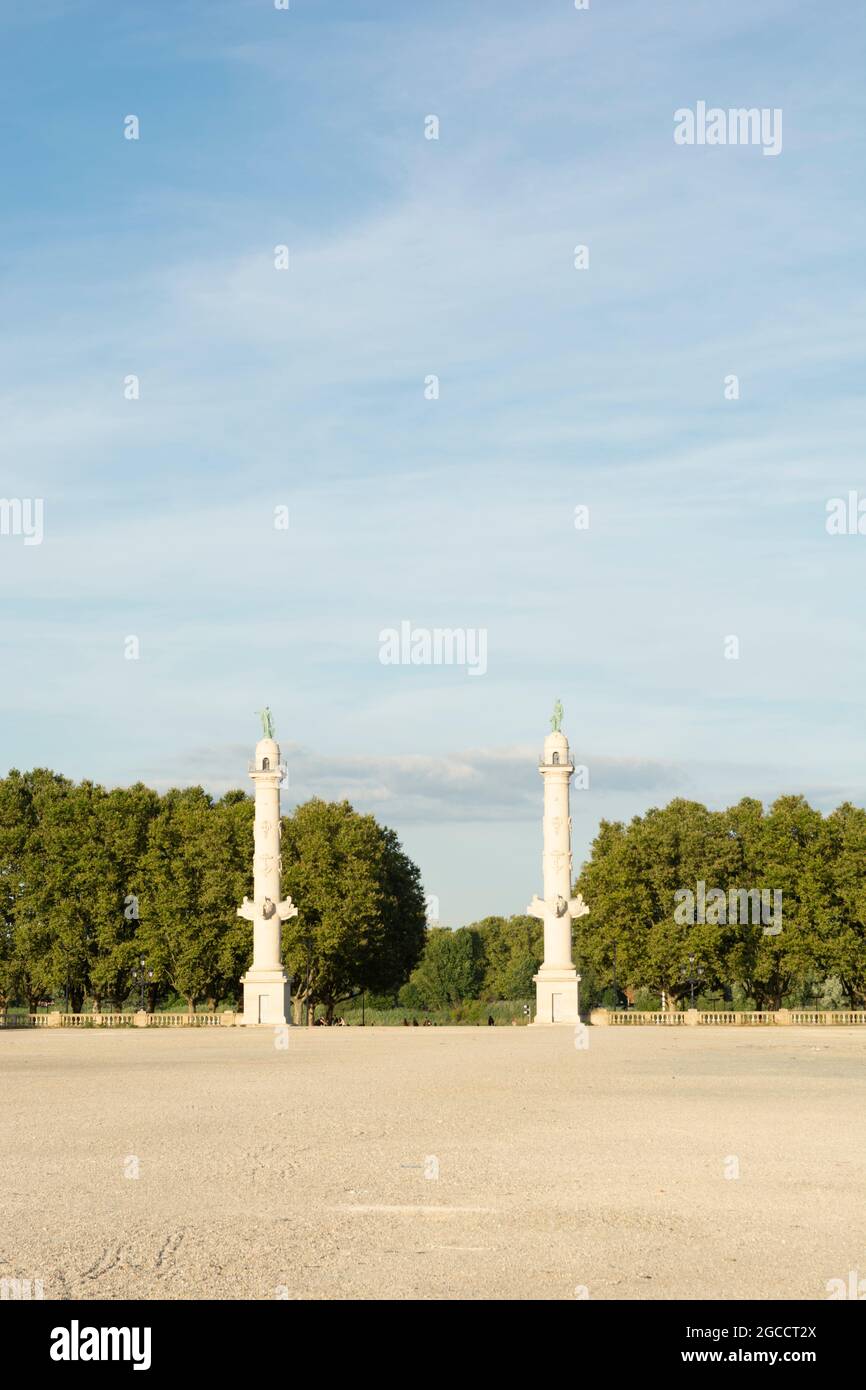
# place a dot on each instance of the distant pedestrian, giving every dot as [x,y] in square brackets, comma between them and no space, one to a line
[490,1021]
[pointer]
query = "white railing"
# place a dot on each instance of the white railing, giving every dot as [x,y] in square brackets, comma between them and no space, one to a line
[183,1020]
[619,1018]
[737,1018]
[847,1016]
[56,1019]
[622,1017]
[740,1018]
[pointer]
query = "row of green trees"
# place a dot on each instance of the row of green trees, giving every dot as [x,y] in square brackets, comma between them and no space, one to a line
[92,880]
[495,958]
[794,930]
[638,875]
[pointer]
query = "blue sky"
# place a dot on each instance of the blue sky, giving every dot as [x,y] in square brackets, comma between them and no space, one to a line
[305,388]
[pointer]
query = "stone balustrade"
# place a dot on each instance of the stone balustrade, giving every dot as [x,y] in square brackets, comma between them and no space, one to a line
[604,1018]
[694,1018]
[97,1019]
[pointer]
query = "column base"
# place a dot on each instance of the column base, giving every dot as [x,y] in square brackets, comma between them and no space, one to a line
[556,998]
[267,998]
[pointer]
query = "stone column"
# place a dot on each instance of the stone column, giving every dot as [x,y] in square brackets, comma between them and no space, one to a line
[556,981]
[266,985]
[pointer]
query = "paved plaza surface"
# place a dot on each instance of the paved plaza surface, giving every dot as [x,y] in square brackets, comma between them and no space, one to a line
[310,1172]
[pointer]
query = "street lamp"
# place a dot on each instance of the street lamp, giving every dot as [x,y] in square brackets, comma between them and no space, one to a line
[143,975]
[693,976]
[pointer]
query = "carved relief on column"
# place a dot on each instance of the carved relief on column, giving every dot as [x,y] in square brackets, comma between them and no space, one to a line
[267,863]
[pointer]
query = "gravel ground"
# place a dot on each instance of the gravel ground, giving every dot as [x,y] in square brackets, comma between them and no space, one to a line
[303,1172]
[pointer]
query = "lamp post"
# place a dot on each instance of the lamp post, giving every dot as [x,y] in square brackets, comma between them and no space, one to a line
[143,975]
[693,976]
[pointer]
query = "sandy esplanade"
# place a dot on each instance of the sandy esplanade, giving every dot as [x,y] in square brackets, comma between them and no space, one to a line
[304,1169]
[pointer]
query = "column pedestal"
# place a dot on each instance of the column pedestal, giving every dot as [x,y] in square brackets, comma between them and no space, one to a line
[267,998]
[556,999]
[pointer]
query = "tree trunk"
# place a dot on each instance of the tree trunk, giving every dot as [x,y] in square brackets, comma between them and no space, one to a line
[190,1003]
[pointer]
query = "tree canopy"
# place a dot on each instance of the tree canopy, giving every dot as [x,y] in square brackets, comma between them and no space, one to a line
[811,868]
[91,880]
[360,922]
